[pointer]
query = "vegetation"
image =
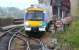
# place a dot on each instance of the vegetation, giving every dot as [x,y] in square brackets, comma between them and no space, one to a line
[73,33]
[6,21]
[11,12]
[71,36]
[7,14]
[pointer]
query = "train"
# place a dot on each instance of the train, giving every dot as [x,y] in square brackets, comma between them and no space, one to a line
[35,21]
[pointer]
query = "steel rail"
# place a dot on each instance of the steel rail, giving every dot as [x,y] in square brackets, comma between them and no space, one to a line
[11,40]
[9,31]
[44,46]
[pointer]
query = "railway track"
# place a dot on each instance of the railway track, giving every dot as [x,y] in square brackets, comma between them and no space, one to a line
[4,39]
[25,43]
[15,36]
[8,36]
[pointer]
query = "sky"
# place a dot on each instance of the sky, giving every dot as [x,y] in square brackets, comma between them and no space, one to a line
[21,4]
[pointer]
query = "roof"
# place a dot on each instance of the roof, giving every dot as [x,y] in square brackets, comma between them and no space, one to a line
[36,9]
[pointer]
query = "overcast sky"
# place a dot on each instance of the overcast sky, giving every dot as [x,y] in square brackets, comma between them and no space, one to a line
[17,3]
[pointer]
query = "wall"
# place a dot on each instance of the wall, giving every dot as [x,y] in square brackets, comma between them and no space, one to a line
[75,7]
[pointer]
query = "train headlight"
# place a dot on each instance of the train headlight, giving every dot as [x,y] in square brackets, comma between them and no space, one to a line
[42,29]
[26,23]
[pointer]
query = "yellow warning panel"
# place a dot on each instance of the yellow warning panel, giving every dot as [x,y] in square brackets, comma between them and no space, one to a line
[35,23]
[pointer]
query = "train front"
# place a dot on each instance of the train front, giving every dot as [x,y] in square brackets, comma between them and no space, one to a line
[34,20]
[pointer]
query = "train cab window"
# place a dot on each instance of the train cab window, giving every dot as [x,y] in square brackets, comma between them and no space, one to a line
[34,16]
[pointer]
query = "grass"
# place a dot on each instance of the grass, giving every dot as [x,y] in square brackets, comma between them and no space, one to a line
[72,34]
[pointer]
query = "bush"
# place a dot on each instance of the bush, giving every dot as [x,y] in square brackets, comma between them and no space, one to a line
[6,21]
